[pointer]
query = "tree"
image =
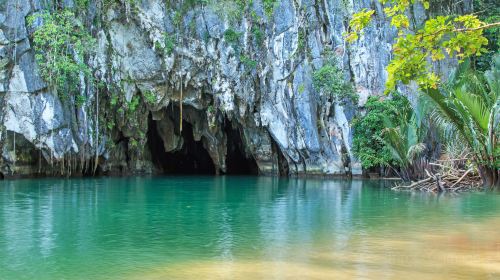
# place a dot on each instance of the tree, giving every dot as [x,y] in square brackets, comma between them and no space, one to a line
[468,111]
[330,80]
[460,36]
[488,11]
[404,139]
[390,135]
[367,146]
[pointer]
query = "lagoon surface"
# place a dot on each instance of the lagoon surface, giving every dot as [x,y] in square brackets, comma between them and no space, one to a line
[243,228]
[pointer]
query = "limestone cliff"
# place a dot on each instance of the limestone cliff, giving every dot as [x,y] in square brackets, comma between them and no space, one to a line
[244,78]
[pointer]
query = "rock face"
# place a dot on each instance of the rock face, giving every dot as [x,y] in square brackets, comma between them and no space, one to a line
[240,82]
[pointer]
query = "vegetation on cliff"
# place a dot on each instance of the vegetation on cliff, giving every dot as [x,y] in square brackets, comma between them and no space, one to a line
[439,38]
[466,109]
[391,134]
[367,141]
[62,45]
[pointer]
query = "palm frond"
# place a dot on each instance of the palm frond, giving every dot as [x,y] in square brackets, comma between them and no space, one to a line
[474,107]
[415,151]
[492,77]
[467,110]
[392,140]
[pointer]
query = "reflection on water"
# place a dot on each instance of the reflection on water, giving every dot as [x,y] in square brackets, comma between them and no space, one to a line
[243,228]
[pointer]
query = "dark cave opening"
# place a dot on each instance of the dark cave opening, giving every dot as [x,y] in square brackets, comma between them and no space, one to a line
[192,158]
[237,161]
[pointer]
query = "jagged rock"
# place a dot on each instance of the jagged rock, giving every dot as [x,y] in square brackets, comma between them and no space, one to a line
[263,89]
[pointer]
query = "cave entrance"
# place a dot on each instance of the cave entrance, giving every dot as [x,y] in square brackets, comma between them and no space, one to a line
[191,159]
[238,162]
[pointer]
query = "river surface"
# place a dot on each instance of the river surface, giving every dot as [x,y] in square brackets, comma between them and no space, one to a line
[243,228]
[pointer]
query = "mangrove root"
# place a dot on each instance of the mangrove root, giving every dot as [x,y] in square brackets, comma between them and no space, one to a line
[448,179]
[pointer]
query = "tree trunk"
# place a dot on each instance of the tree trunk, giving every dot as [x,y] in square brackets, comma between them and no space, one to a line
[490,176]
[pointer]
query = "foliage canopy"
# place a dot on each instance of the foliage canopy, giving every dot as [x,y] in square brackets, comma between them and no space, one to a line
[460,36]
[367,144]
[467,110]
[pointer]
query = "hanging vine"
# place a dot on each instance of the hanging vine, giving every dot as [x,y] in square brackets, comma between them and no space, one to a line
[62,45]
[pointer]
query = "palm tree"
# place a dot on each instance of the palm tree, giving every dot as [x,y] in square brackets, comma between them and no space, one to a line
[468,110]
[404,141]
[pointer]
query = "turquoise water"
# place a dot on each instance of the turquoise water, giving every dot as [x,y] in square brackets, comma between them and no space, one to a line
[242,228]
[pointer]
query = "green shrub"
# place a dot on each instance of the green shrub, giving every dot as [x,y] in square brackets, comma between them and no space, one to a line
[248,62]
[368,130]
[149,96]
[269,6]
[169,41]
[231,36]
[258,35]
[61,45]
[133,104]
[330,80]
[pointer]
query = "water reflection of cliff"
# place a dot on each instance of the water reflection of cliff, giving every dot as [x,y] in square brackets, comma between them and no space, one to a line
[53,224]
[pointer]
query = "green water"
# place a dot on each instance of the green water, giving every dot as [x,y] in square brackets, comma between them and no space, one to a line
[242,228]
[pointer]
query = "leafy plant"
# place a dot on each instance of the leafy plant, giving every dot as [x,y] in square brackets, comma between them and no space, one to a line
[301,88]
[258,35]
[269,6]
[150,97]
[133,104]
[113,100]
[231,36]
[440,37]
[169,42]
[359,21]
[248,62]
[330,80]
[233,10]
[403,137]
[301,42]
[468,111]
[80,100]
[133,143]
[368,130]
[390,135]
[61,44]
[110,125]
[488,11]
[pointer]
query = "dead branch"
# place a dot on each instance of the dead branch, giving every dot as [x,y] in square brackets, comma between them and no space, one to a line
[461,178]
[446,179]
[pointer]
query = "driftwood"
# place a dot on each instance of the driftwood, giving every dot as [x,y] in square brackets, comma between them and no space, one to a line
[447,179]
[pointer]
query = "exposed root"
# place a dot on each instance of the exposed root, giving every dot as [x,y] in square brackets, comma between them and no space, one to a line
[448,179]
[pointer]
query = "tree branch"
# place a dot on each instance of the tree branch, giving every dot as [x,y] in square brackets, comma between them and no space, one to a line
[487,26]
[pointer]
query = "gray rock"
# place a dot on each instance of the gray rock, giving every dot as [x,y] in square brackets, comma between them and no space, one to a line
[29,67]
[262,89]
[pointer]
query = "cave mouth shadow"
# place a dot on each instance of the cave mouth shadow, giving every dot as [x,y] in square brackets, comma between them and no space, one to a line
[191,159]
[238,162]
